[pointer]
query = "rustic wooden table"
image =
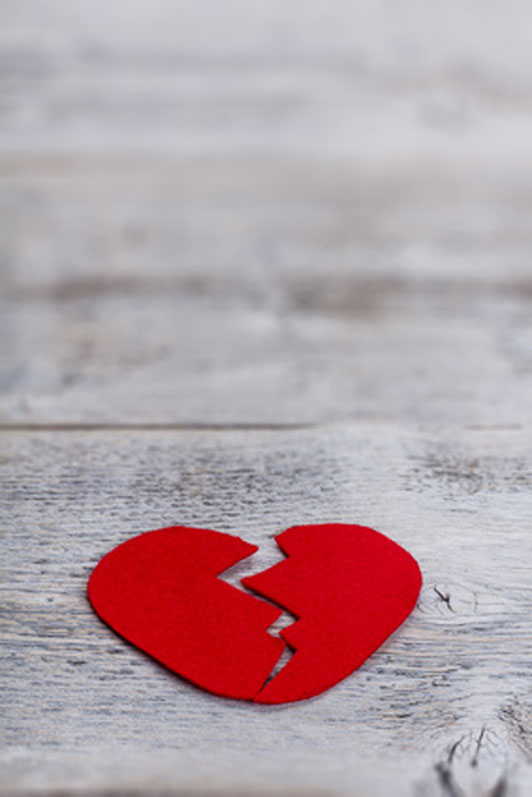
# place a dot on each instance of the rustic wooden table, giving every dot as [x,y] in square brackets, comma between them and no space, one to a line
[267,263]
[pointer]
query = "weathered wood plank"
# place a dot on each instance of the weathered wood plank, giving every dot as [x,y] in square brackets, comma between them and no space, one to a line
[232,294]
[82,708]
[225,214]
[370,81]
[267,214]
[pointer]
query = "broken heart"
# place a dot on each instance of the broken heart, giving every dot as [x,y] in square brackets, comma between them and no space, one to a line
[349,587]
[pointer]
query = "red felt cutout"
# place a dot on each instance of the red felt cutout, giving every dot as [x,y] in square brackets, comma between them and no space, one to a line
[349,586]
[160,591]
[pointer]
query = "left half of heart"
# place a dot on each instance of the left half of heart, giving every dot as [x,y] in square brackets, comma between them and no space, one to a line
[161,591]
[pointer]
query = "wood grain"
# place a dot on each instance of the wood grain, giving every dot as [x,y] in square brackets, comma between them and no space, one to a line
[76,697]
[370,81]
[216,294]
[263,264]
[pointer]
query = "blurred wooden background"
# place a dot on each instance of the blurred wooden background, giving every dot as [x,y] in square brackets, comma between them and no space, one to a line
[267,263]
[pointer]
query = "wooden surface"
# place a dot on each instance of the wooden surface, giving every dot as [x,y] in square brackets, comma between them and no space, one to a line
[263,264]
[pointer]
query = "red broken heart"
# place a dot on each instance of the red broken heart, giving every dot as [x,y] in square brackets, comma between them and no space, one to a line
[349,586]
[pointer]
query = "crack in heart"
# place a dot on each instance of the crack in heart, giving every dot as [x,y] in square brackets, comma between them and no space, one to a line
[170,592]
[257,562]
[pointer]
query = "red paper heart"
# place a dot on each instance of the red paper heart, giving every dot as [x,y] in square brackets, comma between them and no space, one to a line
[349,586]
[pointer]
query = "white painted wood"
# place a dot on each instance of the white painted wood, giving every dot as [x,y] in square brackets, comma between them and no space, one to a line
[305,228]
[366,81]
[233,294]
[266,213]
[81,707]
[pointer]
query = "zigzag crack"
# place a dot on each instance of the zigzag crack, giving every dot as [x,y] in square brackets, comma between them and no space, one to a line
[265,557]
